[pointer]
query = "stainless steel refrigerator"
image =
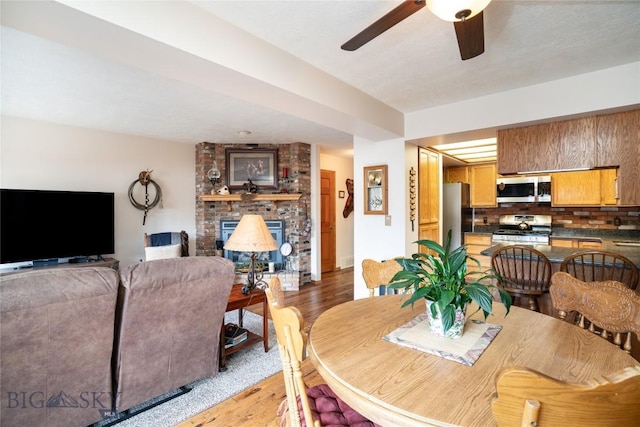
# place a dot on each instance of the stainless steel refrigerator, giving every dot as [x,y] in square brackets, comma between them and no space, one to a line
[457,214]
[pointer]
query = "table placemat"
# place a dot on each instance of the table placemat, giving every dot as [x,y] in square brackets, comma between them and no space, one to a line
[467,349]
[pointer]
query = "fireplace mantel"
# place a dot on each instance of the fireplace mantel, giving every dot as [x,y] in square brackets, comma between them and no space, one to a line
[229,198]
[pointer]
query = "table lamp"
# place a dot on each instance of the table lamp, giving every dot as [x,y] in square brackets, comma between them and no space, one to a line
[251,235]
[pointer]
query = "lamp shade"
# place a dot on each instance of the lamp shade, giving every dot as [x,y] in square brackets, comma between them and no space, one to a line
[251,235]
[447,9]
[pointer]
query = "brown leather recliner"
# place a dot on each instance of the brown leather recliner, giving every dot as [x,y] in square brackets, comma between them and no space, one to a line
[56,336]
[168,326]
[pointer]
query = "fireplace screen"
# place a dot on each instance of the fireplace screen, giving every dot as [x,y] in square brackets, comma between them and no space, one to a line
[276,227]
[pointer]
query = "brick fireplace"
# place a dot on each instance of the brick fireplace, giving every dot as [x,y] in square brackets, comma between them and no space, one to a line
[296,158]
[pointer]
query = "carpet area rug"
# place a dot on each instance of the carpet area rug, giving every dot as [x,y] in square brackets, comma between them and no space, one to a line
[244,369]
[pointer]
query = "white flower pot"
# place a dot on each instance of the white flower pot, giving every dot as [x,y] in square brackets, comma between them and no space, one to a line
[435,323]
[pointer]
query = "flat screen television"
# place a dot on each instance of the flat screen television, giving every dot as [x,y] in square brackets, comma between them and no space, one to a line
[43,225]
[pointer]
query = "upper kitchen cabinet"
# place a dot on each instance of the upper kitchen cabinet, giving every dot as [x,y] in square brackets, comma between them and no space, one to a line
[482,179]
[567,144]
[618,144]
[584,188]
[457,174]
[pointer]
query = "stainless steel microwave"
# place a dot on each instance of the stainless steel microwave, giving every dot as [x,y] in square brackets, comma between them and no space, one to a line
[525,189]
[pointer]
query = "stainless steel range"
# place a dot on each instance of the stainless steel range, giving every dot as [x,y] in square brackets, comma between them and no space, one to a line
[523,229]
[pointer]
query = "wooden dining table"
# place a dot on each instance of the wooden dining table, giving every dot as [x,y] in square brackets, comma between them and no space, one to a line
[395,385]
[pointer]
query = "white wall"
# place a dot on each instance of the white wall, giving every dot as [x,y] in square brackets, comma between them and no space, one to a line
[372,239]
[44,156]
[598,91]
[343,168]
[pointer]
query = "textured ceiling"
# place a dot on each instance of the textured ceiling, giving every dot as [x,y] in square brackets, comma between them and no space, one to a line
[413,66]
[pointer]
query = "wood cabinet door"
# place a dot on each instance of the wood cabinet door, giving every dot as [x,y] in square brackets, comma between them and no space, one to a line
[572,144]
[562,243]
[608,184]
[483,185]
[581,188]
[457,174]
[618,144]
[476,244]
[511,144]
[429,186]
[567,144]
[428,232]
[586,244]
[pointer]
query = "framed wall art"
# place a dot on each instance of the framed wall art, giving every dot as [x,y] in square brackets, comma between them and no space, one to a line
[375,190]
[259,166]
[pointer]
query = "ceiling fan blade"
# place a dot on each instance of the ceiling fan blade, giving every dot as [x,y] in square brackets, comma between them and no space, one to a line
[399,13]
[470,33]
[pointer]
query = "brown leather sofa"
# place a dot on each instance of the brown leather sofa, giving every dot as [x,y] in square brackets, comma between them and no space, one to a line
[77,343]
[168,325]
[56,345]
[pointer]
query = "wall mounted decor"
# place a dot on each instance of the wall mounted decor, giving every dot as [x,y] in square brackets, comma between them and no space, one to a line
[258,166]
[412,196]
[375,190]
[348,204]
[144,178]
[214,176]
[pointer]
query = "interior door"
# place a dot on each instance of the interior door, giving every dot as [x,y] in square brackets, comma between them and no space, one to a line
[327,221]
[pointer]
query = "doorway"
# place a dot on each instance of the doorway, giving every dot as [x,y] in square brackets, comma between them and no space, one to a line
[327,221]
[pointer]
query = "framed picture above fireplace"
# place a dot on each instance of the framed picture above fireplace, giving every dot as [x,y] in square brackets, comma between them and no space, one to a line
[258,165]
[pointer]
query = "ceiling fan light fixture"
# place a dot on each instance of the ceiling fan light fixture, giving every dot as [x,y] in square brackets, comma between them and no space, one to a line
[456,10]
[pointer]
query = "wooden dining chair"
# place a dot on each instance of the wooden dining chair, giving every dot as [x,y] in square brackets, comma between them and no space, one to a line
[525,397]
[522,272]
[378,274]
[596,266]
[318,403]
[608,305]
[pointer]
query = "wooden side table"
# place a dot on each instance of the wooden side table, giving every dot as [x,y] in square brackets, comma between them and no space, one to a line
[238,301]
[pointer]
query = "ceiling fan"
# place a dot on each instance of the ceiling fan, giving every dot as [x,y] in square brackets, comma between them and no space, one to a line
[466,16]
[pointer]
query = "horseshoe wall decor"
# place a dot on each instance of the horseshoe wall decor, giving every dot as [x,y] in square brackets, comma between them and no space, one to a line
[144,179]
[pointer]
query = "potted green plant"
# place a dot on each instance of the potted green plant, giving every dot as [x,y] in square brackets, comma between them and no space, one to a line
[442,280]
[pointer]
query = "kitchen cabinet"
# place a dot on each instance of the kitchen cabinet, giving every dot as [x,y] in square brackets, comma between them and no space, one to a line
[562,243]
[567,144]
[584,188]
[609,186]
[589,244]
[457,174]
[475,244]
[428,232]
[576,243]
[482,180]
[429,193]
[618,144]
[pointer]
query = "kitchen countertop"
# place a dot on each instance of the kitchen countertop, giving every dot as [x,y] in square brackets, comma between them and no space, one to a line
[557,254]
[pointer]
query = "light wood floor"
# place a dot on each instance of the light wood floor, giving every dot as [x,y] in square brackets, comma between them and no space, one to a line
[258,405]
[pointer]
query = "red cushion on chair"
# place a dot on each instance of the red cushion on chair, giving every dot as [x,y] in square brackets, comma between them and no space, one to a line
[331,410]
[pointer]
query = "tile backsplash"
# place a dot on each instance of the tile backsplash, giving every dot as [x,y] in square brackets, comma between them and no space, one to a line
[616,220]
